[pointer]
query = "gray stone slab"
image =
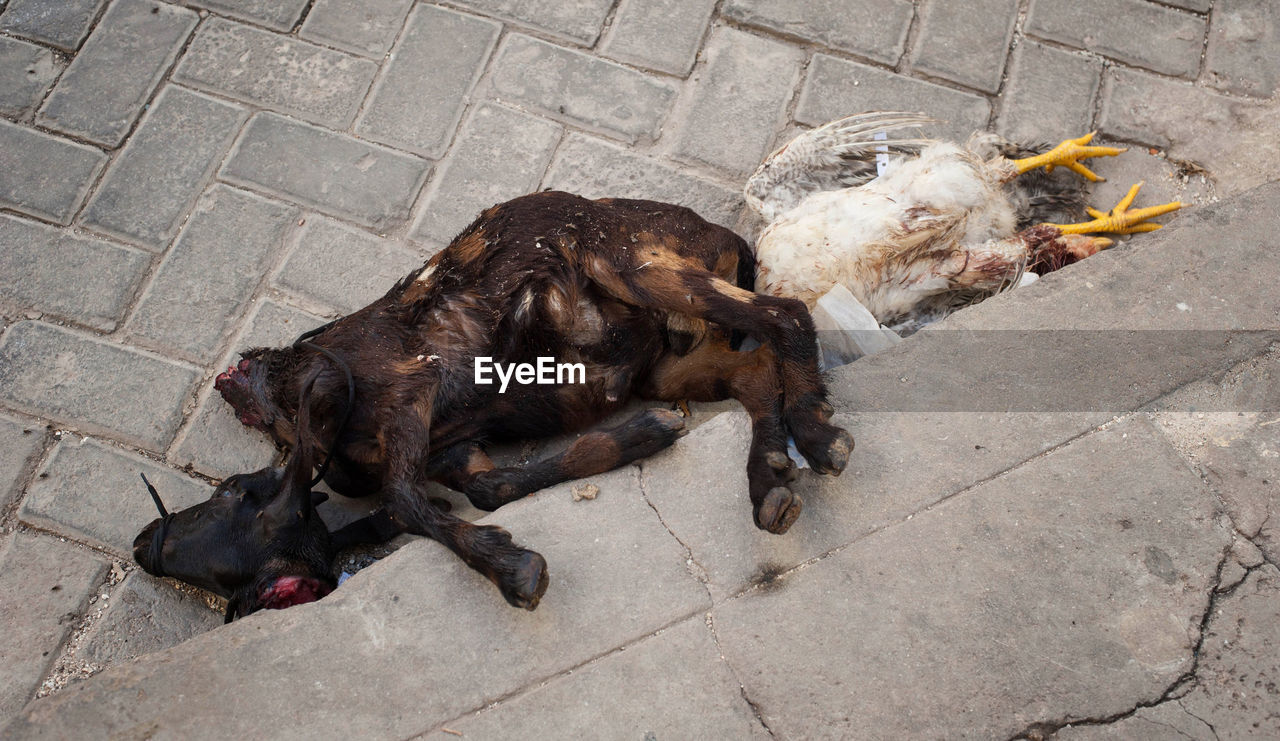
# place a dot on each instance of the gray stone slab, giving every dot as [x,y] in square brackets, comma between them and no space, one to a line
[93,384]
[579,20]
[596,169]
[418,100]
[154,181]
[51,270]
[1158,723]
[876,29]
[904,463]
[739,100]
[1140,33]
[1244,43]
[616,576]
[1238,668]
[60,23]
[1050,94]
[1199,6]
[46,585]
[673,685]
[1235,451]
[26,72]
[145,615]
[202,285]
[965,42]
[579,88]
[44,175]
[836,88]
[21,442]
[91,491]
[101,94]
[358,26]
[335,173]
[343,267]
[500,154]
[1237,141]
[215,443]
[1234,693]
[276,72]
[280,15]
[664,35]
[996,610]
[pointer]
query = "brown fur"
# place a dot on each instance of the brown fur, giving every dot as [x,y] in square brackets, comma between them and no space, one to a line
[645,295]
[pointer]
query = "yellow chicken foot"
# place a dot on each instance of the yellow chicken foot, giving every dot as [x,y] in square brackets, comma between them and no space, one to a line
[1121,220]
[1068,154]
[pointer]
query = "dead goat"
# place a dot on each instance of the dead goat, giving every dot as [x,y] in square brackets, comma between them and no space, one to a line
[648,297]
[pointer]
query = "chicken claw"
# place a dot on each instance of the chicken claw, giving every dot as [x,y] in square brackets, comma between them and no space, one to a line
[1121,220]
[1068,154]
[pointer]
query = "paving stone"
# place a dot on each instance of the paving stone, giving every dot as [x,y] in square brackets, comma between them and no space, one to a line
[46,584]
[1199,6]
[50,270]
[20,443]
[965,42]
[738,101]
[60,23]
[145,615]
[26,72]
[1238,141]
[342,267]
[335,173]
[358,26]
[153,182]
[675,685]
[1244,42]
[1235,450]
[596,169]
[276,72]
[1146,724]
[1234,694]
[579,20]
[215,443]
[836,88]
[417,102]
[44,175]
[96,385]
[876,29]
[1140,33]
[1050,94]
[880,487]
[579,88]
[662,35]
[201,286]
[996,610]
[280,15]
[499,155]
[616,576]
[91,491]
[101,94]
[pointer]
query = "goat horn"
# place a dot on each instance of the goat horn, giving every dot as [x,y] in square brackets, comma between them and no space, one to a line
[155,495]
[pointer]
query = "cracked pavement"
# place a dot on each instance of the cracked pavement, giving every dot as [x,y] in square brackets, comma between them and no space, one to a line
[1058,521]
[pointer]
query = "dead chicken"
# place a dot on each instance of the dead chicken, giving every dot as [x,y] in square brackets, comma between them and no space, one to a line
[914,228]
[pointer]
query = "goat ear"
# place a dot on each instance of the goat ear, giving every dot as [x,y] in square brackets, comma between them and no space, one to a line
[297,474]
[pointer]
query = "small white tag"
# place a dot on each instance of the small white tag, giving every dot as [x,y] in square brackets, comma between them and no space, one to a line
[882,153]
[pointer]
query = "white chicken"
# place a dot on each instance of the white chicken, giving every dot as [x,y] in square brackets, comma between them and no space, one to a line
[913,227]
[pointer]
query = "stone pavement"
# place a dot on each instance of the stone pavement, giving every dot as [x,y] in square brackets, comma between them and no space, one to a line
[1064,531]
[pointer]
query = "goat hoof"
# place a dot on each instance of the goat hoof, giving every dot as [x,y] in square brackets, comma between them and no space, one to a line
[832,458]
[527,582]
[779,510]
[670,420]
